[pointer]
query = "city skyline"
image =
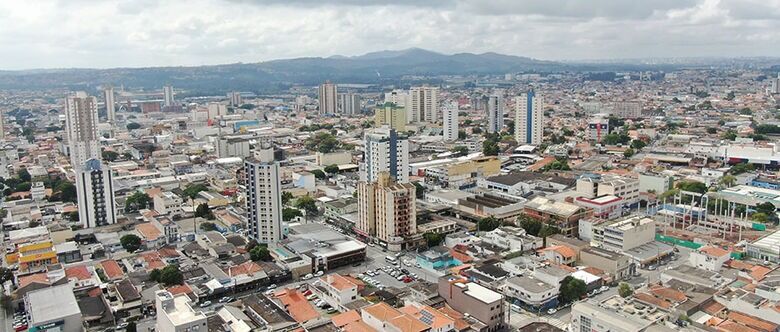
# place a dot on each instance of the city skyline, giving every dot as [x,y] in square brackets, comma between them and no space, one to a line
[212,32]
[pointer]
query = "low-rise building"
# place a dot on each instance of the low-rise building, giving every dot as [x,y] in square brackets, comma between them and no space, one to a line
[479,302]
[512,239]
[626,234]
[532,292]
[53,308]
[176,314]
[710,258]
[563,215]
[336,290]
[616,265]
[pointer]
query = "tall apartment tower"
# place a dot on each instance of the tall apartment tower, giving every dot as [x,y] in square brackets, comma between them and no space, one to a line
[263,195]
[495,114]
[94,181]
[529,118]
[2,125]
[775,87]
[108,94]
[402,99]
[390,115]
[450,122]
[327,98]
[387,210]
[349,103]
[168,96]
[385,150]
[424,104]
[234,98]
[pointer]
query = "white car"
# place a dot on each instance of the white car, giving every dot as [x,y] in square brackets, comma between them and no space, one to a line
[308,276]
[205,304]
[551,311]
[604,288]
[319,273]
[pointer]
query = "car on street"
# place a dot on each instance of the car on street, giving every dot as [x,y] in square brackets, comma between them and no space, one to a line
[226,299]
[551,311]
[308,276]
[205,304]
[319,273]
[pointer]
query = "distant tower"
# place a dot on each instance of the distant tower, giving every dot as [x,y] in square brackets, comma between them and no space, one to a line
[2,125]
[450,121]
[108,94]
[235,99]
[94,182]
[775,88]
[495,113]
[327,98]
[349,103]
[168,96]
[263,195]
[424,104]
[529,118]
[385,151]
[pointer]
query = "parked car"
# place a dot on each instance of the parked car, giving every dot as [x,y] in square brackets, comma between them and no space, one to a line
[226,299]
[319,273]
[551,311]
[271,287]
[205,304]
[308,276]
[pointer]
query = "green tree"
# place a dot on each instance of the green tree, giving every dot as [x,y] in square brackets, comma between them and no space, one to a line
[557,165]
[488,224]
[433,239]
[260,253]
[628,153]
[638,144]
[109,155]
[130,242]
[728,180]
[572,289]
[530,225]
[155,275]
[131,327]
[322,142]
[548,230]
[308,204]
[66,191]
[332,169]
[711,130]
[203,211]
[290,214]
[741,168]
[24,175]
[729,135]
[170,276]
[419,190]
[137,201]
[490,148]
[73,216]
[5,275]
[319,174]
[133,126]
[692,186]
[625,290]
[462,134]
[286,197]
[207,226]
[746,111]
[759,217]
[766,208]
[460,150]
[193,190]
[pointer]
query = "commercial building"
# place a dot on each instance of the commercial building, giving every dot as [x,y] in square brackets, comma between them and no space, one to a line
[598,127]
[657,183]
[385,151]
[710,258]
[176,314]
[532,292]
[168,96]
[53,309]
[424,104]
[450,123]
[616,265]
[495,114]
[626,234]
[390,115]
[387,211]
[481,303]
[233,146]
[336,290]
[563,215]
[604,207]
[766,248]
[263,196]
[590,317]
[596,185]
[110,102]
[327,98]
[489,205]
[349,104]
[529,118]
[464,174]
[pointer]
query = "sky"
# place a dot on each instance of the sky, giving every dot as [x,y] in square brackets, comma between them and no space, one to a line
[140,33]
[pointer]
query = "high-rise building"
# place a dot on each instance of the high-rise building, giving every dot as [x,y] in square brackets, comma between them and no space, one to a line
[391,115]
[402,99]
[775,88]
[598,127]
[327,98]
[349,103]
[168,96]
[234,98]
[2,125]
[495,112]
[385,151]
[450,122]
[110,102]
[387,210]
[94,187]
[529,118]
[424,104]
[263,195]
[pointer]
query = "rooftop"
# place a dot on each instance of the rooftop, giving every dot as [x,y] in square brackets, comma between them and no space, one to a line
[51,303]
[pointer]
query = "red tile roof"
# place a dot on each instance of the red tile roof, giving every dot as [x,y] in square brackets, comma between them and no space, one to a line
[111,269]
[297,305]
[78,272]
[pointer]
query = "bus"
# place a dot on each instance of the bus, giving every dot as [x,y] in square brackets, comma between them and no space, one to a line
[390,259]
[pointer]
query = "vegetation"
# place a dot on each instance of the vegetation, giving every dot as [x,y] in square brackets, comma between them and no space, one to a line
[207,226]
[286,197]
[260,253]
[729,135]
[560,164]
[419,190]
[433,239]
[332,169]
[322,142]
[110,155]
[625,290]
[168,276]
[462,134]
[203,211]
[628,153]
[137,201]
[572,289]
[460,150]
[308,204]
[290,214]
[130,242]
[133,126]
[193,190]
[490,148]
[692,186]
[488,224]
[742,168]
[711,130]
[615,139]
[767,129]
[318,174]
[638,144]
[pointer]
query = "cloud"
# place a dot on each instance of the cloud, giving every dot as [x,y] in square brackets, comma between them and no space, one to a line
[112,33]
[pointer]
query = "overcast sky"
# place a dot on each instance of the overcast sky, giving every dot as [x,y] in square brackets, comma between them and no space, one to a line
[133,33]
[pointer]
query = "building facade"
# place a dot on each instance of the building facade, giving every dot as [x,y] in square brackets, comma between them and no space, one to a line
[495,114]
[529,118]
[424,104]
[263,196]
[387,211]
[385,151]
[390,115]
[327,98]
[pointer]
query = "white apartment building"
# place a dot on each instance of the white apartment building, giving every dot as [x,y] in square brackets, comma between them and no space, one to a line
[385,151]
[81,122]
[168,96]
[176,314]
[450,123]
[594,185]
[337,290]
[424,104]
[110,102]
[216,110]
[625,234]
[327,94]
[234,98]
[529,118]
[233,146]
[349,103]
[495,114]
[169,204]
[263,196]
[598,128]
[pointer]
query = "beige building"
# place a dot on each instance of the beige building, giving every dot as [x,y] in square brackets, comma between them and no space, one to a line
[616,265]
[391,115]
[334,158]
[624,234]
[424,104]
[387,211]
[176,314]
[463,174]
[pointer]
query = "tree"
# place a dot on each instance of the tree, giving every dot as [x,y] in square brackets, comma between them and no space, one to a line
[133,126]
[332,169]
[625,290]
[24,175]
[711,130]
[170,276]
[741,168]
[433,239]
[322,142]
[766,208]
[419,190]
[572,289]
[460,150]
[286,197]
[193,190]
[110,155]
[203,211]
[530,225]
[308,204]
[131,327]
[260,253]
[638,144]
[728,180]
[557,165]
[729,135]
[692,186]
[615,139]
[66,190]
[488,224]
[33,224]
[548,230]
[130,242]
[290,214]
[759,217]
[319,174]
[490,148]
[462,134]
[5,275]
[207,226]
[155,275]
[73,216]
[628,153]
[746,111]
[137,201]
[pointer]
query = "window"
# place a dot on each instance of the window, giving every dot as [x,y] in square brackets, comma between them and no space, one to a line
[584,324]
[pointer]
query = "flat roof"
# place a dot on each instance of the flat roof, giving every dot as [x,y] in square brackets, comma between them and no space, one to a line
[52,303]
[481,293]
